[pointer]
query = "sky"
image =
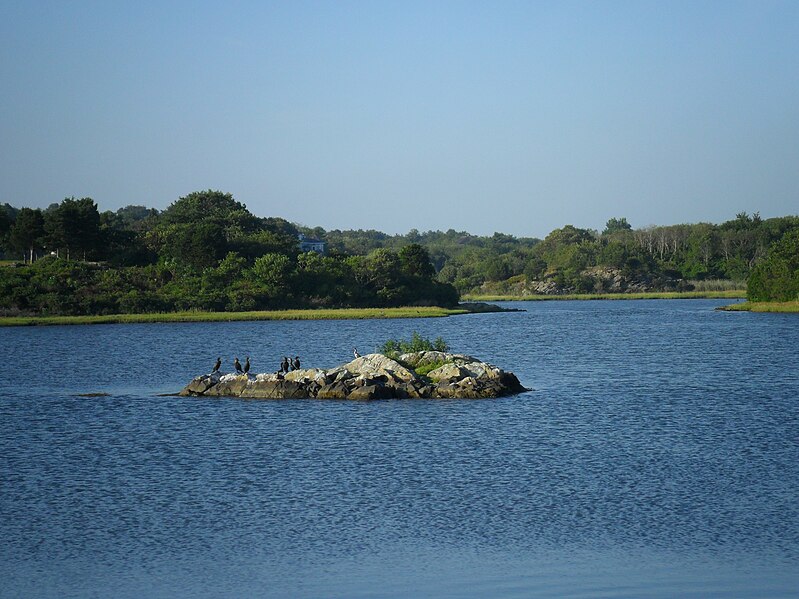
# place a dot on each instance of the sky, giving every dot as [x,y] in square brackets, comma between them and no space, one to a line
[512,117]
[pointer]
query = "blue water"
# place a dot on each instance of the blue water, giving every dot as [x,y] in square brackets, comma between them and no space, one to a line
[656,456]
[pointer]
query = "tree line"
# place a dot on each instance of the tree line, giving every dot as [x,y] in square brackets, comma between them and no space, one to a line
[206,251]
[674,257]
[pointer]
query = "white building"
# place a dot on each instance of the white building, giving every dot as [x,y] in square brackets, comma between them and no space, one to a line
[308,244]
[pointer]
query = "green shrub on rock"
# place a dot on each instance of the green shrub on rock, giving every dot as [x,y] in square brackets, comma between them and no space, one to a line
[393,348]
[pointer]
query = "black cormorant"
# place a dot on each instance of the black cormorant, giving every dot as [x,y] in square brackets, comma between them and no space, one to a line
[355,352]
[217,365]
[237,365]
[247,365]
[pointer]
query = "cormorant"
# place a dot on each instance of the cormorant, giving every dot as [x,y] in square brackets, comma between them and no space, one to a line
[247,365]
[217,365]
[355,352]
[284,364]
[237,365]
[295,363]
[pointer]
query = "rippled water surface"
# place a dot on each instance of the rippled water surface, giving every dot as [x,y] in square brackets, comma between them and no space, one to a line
[656,456]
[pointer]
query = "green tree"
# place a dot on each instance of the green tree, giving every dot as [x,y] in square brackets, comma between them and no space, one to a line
[777,277]
[74,226]
[6,223]
[27,232]
[198,245]
[204,205]
[415,261]
[223,276]
[274,272]
[615,225]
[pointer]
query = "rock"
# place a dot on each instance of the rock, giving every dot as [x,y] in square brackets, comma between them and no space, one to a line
[277,389]
[423,358]
[233,384]
[371,392]
[373,365]
[200,385]
[374,376]
[447,373]
[303,374]
[335,390]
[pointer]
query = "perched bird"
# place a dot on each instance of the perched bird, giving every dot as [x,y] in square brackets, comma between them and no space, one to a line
[237,365]
[247,365]
[284,364]
[295,363]
[217,365]
[355,352]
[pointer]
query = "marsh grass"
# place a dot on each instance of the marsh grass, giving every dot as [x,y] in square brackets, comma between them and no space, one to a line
[326,314]
[718,285]
[426,369]
[781,307]
[727,294]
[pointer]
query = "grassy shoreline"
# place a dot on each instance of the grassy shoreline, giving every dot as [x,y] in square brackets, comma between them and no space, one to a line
[323,314]
[781,307]
[728,294]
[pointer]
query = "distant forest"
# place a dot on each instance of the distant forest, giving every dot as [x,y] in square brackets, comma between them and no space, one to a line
[206,251]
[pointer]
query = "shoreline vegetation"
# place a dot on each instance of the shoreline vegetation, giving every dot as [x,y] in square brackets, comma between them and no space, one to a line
[470,305]
[198,316]
[725,294]
[775,307]
[206,257]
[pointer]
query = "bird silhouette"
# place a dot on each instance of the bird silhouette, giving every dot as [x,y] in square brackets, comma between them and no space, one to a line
[247,365]
[217,365]
[237,365]
[355,352]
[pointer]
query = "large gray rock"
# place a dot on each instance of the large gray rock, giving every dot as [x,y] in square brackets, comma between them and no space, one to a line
[448,372]
[374,365]
[304,374]
[374,376]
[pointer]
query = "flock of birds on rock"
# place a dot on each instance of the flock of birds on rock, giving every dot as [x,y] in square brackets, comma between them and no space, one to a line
[286,365]
[236,364]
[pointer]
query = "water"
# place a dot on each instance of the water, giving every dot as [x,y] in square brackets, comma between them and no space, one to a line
[657,456]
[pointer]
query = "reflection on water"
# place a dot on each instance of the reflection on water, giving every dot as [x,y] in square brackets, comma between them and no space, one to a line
[656,456]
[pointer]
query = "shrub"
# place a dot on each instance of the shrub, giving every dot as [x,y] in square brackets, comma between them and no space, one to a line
[425,369]
[776,279]
[395,347]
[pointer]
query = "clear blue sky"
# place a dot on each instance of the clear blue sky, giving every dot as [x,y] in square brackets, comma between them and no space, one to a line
[516,117]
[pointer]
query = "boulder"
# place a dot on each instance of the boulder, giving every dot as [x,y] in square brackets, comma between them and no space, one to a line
[230,384]
[200,384]
[276,389]
[371,392]
[373,365]
[447,373]
[303,374]
[335,390]
[423,358]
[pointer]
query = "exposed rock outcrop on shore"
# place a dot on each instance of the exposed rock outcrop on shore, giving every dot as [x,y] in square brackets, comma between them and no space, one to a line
[598,279]
[373,376]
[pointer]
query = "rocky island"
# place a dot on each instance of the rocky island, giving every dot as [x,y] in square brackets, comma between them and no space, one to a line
[426,374]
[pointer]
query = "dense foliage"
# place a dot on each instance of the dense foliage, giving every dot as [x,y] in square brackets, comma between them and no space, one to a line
[571,259]
[396,347]
[777,277]
[206,251]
